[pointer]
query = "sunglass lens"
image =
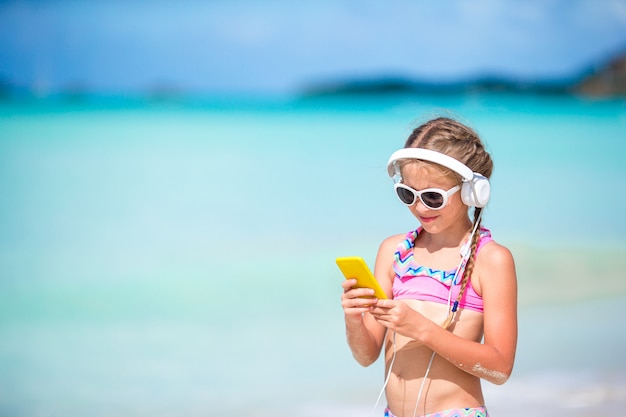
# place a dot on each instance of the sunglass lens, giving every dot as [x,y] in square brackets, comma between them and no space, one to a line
[406,196]
[432,199]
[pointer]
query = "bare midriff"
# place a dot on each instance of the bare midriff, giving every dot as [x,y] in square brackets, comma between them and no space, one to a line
[447,385]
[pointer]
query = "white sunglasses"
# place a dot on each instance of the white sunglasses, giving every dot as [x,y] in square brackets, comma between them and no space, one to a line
[432,198]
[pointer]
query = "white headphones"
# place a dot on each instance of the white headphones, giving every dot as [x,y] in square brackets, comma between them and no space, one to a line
[476,189]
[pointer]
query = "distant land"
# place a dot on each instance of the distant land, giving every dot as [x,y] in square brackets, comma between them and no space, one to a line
[607,79]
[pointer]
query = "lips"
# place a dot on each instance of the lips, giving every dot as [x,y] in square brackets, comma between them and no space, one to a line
[427,219]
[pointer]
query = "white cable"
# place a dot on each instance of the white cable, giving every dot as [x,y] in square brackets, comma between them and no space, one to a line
[419,394]
[465,252]
[393,358]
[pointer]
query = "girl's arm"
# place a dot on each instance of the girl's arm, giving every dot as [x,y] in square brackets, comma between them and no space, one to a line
[493,359]
[364,334]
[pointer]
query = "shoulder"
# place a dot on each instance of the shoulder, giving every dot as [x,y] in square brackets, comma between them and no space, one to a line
[494,255]
[385,256]
[496,269]
[391,243]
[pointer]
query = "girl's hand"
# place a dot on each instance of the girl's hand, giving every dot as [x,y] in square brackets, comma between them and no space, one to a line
[354,301]
[399,317]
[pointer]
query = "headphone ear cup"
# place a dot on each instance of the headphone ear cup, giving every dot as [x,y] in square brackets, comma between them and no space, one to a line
[476,193]
[466,194]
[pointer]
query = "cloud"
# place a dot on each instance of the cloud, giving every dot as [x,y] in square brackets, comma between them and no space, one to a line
[276,45]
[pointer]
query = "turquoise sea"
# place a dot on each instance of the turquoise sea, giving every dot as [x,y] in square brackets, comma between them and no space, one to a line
[176,257]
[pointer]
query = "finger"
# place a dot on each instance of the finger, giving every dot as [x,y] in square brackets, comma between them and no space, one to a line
[352,300]
[386,304]
[360,302]
[382,321]
[348,284]
[380,315]
[356,310]
[360,293]
[381,308]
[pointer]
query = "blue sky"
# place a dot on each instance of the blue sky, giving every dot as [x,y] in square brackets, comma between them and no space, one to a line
[274,46]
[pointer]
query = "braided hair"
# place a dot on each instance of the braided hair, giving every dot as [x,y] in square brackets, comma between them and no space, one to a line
[462,143]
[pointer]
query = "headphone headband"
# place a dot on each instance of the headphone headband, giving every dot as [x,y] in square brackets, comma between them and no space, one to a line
[430,156]
[476,189]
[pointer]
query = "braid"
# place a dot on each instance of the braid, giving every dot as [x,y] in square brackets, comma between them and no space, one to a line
[467,274]
[469,268]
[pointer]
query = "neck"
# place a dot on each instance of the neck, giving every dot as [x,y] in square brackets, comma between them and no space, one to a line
[452,237]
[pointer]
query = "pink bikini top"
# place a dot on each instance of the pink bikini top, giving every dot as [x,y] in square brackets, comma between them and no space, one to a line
[417,282]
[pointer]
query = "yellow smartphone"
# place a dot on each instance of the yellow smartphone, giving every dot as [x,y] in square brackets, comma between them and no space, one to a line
[355,267]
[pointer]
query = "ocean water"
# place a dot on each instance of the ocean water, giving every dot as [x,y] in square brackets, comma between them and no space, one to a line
[177,257]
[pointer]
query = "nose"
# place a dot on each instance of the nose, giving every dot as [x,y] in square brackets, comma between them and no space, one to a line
[419,206]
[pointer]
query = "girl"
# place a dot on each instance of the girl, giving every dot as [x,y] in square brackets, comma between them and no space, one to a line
[451,316]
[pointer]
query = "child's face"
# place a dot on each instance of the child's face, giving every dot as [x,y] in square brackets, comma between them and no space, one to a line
[421,176]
